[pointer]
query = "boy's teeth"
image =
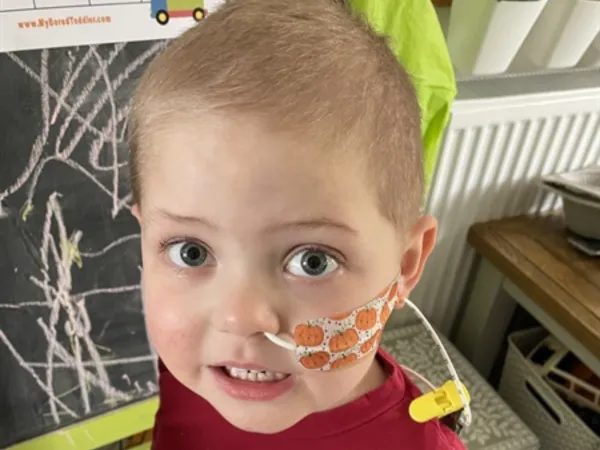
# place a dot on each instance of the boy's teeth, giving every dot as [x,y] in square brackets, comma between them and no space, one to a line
[254,375]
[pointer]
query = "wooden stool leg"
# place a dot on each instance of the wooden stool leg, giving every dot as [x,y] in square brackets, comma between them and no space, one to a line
[487,314]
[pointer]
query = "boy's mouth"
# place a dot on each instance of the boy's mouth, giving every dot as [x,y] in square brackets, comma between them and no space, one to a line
[251,382]
[261,376]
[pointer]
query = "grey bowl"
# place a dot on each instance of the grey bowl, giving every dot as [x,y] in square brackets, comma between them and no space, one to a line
[581,211]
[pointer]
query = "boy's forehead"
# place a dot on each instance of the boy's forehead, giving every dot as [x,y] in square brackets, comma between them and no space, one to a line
[237,149]
[237,164]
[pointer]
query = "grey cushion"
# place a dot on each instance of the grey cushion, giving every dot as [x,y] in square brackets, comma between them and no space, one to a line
[495,426]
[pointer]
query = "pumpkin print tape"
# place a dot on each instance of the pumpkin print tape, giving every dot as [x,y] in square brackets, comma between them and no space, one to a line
[333,342]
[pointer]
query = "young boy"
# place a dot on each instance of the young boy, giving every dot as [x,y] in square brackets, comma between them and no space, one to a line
[277,174]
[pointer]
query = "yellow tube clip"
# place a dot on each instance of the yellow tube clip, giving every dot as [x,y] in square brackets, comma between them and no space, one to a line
[436,404]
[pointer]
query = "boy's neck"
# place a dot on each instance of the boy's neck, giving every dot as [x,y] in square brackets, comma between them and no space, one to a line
[374,377]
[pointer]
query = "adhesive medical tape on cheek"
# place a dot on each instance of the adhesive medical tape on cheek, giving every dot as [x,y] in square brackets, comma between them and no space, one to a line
[333,342]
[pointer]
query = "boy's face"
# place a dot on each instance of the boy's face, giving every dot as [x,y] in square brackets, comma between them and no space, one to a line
[244,232]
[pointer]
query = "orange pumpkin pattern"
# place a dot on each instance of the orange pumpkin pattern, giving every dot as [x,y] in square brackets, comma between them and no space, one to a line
[344,361]
[308,335]
[341,316]
[343,341]
[338,340]
[366,319]
[393,291]
[315,360]
[370,343]
[386,311]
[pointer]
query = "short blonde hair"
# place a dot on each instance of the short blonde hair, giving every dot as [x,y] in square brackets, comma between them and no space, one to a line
[311,67]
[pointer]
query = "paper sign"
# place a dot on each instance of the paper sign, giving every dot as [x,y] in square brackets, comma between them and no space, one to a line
[35,24]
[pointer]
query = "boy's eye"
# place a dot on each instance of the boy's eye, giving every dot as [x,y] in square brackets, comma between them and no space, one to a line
[188,254]
[312,263]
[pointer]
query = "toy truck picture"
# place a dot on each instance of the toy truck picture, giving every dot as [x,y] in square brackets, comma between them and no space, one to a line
[163,10]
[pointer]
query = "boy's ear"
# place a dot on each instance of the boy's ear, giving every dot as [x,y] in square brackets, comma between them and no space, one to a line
[420,244]
[135,211]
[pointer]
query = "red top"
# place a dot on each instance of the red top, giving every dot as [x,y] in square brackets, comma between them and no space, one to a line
[378,419]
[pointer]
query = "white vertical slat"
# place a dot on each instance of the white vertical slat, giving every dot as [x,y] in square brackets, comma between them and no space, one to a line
[593,153]
[592,128]
[465,177]
[536,163]
[489,166]
[531,131]
[551,159]
[474,204]
[512,152]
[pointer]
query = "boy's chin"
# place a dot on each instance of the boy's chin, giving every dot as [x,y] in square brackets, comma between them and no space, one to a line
[261,421]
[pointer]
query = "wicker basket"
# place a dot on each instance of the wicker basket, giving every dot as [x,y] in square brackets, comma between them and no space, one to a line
[540,407]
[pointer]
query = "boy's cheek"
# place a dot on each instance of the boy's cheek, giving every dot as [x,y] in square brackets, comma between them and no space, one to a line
[174,334]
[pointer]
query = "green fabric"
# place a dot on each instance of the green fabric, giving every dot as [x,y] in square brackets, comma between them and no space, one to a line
[418,42]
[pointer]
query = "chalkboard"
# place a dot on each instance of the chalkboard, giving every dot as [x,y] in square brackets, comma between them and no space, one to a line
[72,338]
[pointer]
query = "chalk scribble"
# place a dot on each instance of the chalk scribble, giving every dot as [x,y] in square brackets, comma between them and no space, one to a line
[83,123]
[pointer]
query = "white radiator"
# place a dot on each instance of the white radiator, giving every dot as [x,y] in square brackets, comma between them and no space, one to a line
[493,154]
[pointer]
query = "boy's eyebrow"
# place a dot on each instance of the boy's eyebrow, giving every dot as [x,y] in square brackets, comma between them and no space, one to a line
[187,219]
[321,222]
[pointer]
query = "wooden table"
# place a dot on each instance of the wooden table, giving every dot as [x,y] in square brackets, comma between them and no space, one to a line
[527,261]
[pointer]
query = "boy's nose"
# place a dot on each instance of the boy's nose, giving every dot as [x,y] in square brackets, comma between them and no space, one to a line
[246,310]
